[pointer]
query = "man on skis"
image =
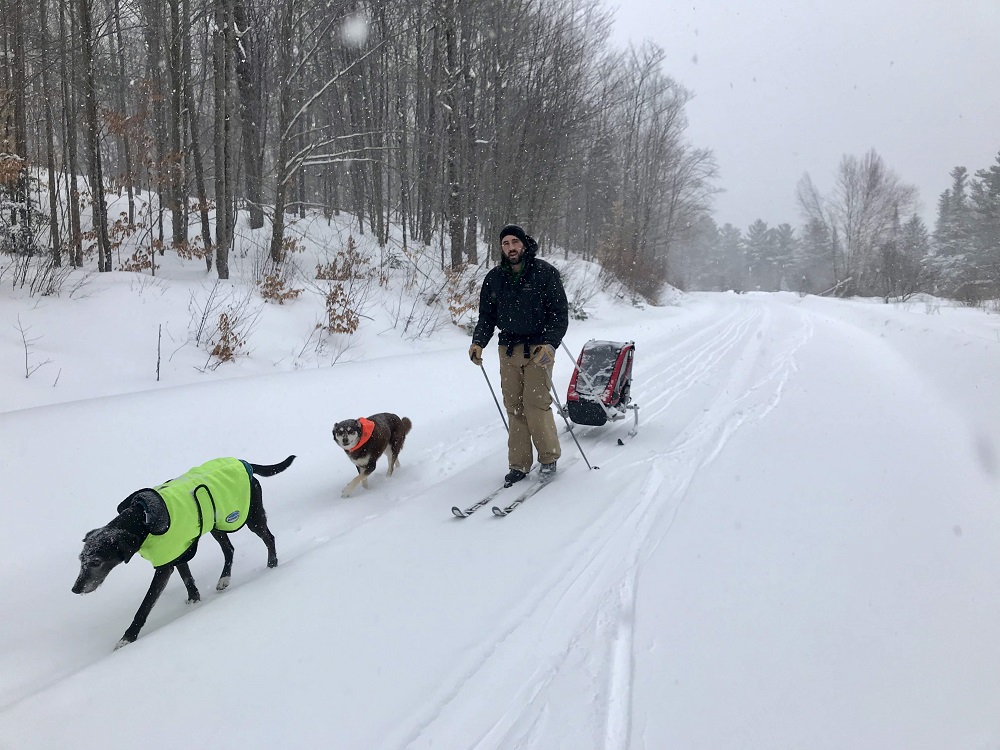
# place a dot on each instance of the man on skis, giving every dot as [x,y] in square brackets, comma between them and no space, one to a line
[525,299]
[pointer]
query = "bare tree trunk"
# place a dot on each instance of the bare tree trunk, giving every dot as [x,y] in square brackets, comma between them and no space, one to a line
[223,196]
[50,156]
[153,24]
[175,68]
[499,62]
[123,107]
[300,174]
[402,150]
[68,69]
[427,142]
[375,71]
[92,127]
[471,141]
[249,104]
[452,77]
[193,123]
[356,169]
[283,169]
[19,85]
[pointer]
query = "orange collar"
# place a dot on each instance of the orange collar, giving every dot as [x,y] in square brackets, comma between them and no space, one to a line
[367,428]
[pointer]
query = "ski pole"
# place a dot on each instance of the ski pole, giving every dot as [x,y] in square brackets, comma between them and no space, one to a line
[495,398]
[556,397]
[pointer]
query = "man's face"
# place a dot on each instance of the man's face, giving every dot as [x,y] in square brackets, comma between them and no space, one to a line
[512,248]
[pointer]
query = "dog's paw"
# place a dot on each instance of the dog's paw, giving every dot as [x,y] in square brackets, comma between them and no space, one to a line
[223,584]
[123,642]
[193,599]
[345,493]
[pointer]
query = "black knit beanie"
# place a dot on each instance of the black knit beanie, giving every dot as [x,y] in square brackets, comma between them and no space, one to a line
[515,230]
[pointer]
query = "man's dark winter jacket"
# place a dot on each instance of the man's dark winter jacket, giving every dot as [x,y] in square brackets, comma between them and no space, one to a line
[529,308]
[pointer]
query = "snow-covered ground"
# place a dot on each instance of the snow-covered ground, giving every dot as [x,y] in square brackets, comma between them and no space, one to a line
[799,549]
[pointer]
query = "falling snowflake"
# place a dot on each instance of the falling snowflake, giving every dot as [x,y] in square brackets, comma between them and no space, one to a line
[354,32]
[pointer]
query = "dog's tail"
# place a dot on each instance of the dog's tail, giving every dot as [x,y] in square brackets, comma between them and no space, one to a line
[269,470]
[407,425]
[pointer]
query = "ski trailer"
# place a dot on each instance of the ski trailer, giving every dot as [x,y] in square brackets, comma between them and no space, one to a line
[600,388]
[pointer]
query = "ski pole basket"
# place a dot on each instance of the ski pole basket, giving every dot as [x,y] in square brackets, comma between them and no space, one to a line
[600,388]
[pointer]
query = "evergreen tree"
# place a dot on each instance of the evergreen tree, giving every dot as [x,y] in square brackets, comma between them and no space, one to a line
[759,246]
[954,222]
[814,258]
[699,257]
[942,223]
[915,245]
[785,244]
[898,267]
[733,265]
[985,232]
[916,240]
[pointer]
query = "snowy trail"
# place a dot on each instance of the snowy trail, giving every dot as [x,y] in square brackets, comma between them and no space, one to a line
[556,628]
[677,375]
[597,579]
[808,576]
[746,396]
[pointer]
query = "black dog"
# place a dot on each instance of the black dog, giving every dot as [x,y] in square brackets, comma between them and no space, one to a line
[365,440]
[164,525]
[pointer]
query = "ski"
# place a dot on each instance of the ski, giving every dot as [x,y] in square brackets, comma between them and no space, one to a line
[535,487]
[628,438]
[460,513]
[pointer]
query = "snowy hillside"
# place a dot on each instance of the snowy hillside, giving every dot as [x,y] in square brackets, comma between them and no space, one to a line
[798,549]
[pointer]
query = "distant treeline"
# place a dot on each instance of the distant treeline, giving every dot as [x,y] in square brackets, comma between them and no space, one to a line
[862,239]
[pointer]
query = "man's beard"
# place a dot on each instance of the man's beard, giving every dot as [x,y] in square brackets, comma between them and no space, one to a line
[516,260]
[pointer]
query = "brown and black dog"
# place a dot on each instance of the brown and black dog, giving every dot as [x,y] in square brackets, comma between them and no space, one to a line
[365,440]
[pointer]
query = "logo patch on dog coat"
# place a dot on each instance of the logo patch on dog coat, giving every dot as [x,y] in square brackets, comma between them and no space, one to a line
[231,518]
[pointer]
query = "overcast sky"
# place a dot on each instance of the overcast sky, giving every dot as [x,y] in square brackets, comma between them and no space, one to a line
[787,87]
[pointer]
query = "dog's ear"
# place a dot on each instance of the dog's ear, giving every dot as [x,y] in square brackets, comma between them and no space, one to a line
[125,553]
[136,498]
[125,550]
[124,504]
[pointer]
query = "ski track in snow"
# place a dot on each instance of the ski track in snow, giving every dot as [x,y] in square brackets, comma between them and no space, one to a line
[747,358]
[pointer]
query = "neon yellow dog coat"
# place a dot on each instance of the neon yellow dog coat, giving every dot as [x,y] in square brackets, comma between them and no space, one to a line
[215,495]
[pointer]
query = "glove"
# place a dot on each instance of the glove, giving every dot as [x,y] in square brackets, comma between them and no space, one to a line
[476,355]
[543,354]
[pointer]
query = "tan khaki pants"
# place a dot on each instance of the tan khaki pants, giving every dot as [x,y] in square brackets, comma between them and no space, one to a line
[526,397]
